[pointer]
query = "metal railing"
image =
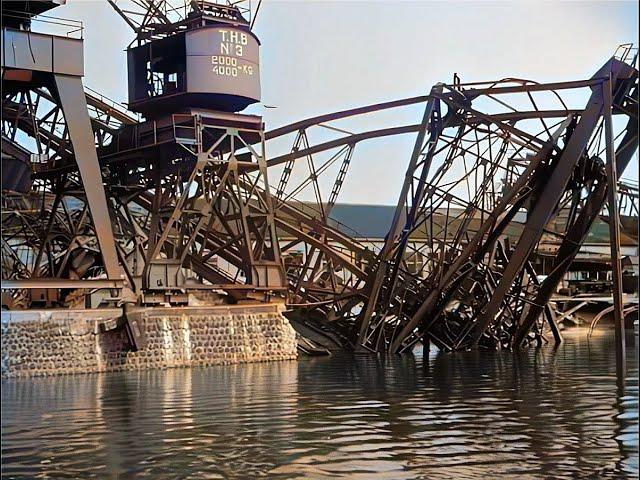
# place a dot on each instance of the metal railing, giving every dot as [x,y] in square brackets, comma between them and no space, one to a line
[133,116]
[47,24]
[627,52]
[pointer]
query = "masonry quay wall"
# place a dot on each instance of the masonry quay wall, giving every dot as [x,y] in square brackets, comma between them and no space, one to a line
[54,342]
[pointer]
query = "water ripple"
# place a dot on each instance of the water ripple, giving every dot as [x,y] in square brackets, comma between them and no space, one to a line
[534,414]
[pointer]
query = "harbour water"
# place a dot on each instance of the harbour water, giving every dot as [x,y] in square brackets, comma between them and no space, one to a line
[548,413]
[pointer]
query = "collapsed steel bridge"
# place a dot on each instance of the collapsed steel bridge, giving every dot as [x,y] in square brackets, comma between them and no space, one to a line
[170,199]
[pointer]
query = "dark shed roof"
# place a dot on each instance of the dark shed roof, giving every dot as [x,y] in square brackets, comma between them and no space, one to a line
[373,222]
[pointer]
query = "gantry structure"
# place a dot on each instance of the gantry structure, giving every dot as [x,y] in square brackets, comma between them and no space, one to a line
[169,198]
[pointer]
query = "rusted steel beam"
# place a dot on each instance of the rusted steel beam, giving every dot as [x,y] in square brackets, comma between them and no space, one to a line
[578,231]
[410,197]
[303,124]
[543,209]
[475,247]
[74,105]
[536,87]
[56,283]
[348,140]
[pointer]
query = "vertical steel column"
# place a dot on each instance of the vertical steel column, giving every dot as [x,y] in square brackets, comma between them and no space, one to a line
[614,227]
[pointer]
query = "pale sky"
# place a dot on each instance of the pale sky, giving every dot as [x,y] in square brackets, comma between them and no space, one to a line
[319,56]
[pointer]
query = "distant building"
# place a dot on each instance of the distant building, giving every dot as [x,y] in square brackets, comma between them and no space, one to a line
[369,224]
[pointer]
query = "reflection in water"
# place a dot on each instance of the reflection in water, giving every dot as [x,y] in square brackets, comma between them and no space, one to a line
[532,414]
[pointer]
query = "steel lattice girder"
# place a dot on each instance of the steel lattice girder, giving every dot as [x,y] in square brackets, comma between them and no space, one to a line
[46,235]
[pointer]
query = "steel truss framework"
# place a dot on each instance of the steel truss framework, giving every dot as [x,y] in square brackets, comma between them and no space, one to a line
[196,203]
[153,19]
[47,229]
[498,176]
[493,165]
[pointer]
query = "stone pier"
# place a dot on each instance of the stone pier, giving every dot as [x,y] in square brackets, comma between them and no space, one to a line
[53,342]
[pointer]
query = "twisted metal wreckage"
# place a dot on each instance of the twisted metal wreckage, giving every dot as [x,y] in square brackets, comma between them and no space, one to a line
[184,204]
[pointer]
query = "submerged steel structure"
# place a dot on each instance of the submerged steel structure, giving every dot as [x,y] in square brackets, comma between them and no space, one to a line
[497,162]
[171,199]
